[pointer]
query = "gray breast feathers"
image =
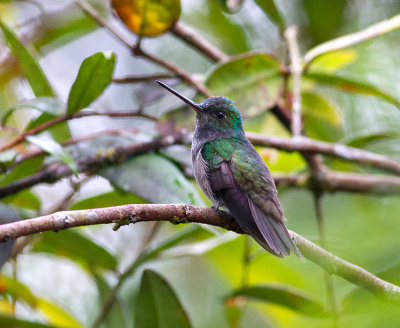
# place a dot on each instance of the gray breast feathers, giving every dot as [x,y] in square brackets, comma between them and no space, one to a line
[202,173]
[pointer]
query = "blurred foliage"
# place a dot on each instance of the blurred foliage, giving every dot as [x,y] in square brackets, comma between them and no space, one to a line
[55,61]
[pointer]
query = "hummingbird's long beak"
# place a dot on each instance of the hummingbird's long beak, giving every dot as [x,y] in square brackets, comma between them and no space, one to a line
[195,106]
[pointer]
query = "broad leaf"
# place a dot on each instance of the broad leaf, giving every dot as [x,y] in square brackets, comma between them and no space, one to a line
[272,12]
[320,108]
[201,247]
[48,105]
[148,17]
[324,18]
[353,86]
[251,80]
[94,75]
[157,305]
[25,199]
[8,321]
[57,315]
[77,247]
[112,198]
[115,317]
[230,6]
[53,313]
[284,295]
[175,239]
[53,148]
[29,66]
[153,178]
[333,61]
[22,170]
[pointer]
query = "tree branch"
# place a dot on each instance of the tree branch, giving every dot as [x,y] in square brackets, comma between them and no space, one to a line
[353,38]
[180,213]
[143,78]
[91,163]
[296,70]
[197,42]
[308,145]
[136,50]
[63,118]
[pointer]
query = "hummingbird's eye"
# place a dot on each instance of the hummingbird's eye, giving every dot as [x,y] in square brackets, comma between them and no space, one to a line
[220,115]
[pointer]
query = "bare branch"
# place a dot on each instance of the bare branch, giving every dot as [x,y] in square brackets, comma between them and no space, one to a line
[353,38]
[296,70]
[91,163]
[307,145]
[63,118]
[143,78]
[180,213]
[193,39]
[136,50]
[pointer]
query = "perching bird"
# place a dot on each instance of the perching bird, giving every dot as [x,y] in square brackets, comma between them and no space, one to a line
[231,172]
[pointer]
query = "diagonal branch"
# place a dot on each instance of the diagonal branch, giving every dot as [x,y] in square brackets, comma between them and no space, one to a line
[66,117]
[181,213]
[197,42]
[90,163]
[353,39]
[136,50]
[308,145]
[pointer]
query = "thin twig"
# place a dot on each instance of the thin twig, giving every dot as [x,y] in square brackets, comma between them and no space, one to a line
[139,51]
[193,39]
[63,118]
[109,301]
[89,164]
[296,70]
[246,260]
[143,78]
[343,152]
[133,213]
[330,288]
[353,38]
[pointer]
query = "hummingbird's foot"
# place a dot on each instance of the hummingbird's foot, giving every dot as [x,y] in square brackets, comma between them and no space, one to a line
[217,205]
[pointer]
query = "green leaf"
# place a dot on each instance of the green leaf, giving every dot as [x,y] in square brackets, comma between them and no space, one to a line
[320,108]
[157,305]
[8,321]
[201,247]
[22,170]
[362,140]
[175,239]
[53,148]
[18,290]
[351,85]
[115,317]
[284,295]
[272,12]
[253,81]
[53,313]
[47,105]
[231,7]
[77,247]
[153,178]
[324,18]
[29,66]
[94,75]
[331,62]
[57,315]
[25,199]
[112,198]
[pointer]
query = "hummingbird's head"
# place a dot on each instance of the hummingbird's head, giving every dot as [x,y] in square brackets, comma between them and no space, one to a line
[216,113]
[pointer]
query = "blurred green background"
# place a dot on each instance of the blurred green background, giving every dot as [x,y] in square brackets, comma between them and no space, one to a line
[61,280]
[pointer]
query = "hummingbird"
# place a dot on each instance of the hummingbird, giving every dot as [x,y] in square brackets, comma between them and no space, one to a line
[231,173]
